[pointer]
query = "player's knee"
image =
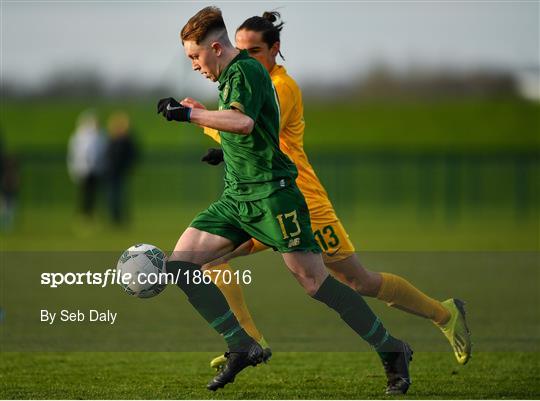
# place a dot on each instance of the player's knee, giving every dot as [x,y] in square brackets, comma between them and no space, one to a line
[359,286]
[362,284]
[366,285]
[311,289]
[310,284]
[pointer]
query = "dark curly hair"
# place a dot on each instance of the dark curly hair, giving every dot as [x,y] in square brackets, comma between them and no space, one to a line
[265,24]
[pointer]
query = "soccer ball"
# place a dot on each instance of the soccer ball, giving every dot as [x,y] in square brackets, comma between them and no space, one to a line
[144,266]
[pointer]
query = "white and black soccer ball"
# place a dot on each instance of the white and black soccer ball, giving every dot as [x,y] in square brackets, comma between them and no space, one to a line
[144,265]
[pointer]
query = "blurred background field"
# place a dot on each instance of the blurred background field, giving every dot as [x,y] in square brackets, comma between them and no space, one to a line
[467,124]
[452,174]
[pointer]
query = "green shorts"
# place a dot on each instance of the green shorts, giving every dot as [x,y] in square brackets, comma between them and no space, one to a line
[280,221]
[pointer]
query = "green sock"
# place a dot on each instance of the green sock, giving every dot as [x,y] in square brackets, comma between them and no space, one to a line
[208,300]
[358,315]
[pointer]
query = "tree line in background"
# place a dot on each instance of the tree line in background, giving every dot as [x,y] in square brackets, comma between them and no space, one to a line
[379,83]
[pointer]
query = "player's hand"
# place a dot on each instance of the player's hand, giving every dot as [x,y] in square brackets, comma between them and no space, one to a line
[190,102]
[213,156]
[172,110]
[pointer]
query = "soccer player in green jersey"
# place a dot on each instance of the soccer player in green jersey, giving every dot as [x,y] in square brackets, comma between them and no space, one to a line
[260,200]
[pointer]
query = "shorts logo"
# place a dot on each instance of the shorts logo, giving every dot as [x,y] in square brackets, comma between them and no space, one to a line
[282,182]
[294,242]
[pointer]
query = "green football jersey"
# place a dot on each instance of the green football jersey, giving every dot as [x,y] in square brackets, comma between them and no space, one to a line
[255,167]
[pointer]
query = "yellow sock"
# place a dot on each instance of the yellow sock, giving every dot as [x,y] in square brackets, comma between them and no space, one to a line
[235,297]
[399,293]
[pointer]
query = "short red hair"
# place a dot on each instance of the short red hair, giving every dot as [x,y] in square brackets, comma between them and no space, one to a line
[206,21]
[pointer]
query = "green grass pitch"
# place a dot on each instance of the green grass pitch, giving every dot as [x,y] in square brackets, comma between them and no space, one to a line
[288,376]
[501,305]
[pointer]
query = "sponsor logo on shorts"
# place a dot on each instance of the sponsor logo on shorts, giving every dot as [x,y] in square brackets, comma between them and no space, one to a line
[294,242]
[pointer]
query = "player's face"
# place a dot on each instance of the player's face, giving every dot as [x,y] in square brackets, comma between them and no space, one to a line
[259,50]
[203,59]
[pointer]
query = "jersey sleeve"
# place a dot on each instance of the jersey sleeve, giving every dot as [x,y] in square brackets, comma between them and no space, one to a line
[287,101]
[212,133]
[245,96]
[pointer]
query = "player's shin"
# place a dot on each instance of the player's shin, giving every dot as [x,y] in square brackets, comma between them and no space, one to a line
[234,295]
[358,315]
[208,300]
[399,293]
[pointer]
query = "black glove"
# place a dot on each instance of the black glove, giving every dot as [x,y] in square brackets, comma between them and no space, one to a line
[213,156]
[172,110]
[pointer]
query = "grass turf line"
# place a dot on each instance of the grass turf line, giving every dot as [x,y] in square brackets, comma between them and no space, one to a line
[288,376]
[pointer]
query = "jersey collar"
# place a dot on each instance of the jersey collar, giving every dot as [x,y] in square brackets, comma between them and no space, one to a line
[242,55]
[277,70]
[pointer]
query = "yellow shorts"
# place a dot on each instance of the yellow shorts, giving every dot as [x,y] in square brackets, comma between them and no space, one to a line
[331,236]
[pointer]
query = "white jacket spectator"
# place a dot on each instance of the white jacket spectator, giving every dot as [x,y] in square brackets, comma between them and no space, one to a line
[86,161]
[86,149]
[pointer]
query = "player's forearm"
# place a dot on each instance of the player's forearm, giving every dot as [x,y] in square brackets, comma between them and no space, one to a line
[223,120]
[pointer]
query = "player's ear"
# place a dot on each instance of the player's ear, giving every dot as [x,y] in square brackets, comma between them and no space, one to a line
[217,48]
[274,50]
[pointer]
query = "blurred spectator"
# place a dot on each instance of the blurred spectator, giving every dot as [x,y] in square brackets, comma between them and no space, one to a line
[86,161]
[9,187]
[121,155]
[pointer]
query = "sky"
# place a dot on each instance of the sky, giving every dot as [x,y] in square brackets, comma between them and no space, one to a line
[321,41]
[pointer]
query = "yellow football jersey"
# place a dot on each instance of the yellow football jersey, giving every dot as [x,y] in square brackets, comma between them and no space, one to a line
[291,142]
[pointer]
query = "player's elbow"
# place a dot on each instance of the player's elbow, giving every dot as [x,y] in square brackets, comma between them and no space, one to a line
[246,125]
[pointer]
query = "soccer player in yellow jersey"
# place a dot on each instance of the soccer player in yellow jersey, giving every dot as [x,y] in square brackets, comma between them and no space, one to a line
[260,37]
